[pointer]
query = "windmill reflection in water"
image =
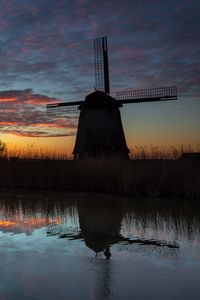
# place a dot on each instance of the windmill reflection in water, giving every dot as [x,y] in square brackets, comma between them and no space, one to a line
[100,228]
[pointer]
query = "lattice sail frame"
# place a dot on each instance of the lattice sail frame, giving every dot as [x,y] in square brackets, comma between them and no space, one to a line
[64,108]
[101,65]
[147,95]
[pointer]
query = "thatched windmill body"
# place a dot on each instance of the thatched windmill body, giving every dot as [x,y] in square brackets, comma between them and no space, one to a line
[100,132]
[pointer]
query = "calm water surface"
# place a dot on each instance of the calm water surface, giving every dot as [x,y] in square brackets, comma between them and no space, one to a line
[87,246]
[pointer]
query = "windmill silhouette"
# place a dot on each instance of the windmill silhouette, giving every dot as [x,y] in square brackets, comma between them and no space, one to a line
[100,133]
[100,222]
[100,229]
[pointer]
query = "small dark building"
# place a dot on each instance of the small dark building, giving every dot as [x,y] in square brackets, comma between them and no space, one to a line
[100,133]
[188,156]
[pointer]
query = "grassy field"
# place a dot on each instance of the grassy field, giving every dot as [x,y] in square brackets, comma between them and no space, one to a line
[179,178]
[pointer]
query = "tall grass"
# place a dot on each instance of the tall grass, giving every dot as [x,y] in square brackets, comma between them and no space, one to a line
[154,178]
[30,151]
[151,172]
[161,152]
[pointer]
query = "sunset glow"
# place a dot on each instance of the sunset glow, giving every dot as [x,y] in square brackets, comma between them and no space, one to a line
[28,224]
[49,59]
[7,223]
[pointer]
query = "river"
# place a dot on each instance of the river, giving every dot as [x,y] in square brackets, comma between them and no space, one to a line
[97,246]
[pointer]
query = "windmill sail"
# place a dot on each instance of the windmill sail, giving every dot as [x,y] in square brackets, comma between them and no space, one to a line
[147,95]
[101,65]
[64,107]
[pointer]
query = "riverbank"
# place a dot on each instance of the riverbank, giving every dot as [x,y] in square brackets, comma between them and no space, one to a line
[179,178]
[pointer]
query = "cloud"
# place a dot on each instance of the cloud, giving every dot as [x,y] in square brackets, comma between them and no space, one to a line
[48,45]
[38,134]
[54,48]
[25,96]
[22,111]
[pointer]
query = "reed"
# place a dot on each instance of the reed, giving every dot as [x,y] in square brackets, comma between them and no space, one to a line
[161,152]
[31,151]
[152,171]
[152,178]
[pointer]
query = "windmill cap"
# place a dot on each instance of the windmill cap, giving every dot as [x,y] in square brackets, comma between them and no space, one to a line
[100,99]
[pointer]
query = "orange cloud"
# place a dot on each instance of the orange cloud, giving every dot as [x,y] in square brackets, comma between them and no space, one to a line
[53,125]
[8,99]
[11,123]
[49,125]
[40,101]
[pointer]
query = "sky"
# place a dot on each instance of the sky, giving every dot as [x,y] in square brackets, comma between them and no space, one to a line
[46,56]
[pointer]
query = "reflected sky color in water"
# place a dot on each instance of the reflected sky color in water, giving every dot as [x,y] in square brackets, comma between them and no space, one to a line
[76,246]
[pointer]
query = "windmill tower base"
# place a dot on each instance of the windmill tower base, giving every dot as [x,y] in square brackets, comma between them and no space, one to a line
[101,156]
[100,133]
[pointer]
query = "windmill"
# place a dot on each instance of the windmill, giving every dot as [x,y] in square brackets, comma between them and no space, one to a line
[100,132]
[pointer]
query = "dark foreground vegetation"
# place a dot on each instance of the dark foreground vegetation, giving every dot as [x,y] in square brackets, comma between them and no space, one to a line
[179,178]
